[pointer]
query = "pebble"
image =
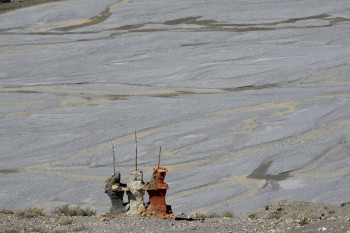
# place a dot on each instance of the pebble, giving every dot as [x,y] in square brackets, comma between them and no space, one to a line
[287,222]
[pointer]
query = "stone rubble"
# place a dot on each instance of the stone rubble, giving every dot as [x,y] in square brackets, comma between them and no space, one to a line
[285,220]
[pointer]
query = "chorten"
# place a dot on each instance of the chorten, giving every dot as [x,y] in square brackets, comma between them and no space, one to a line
[156,190]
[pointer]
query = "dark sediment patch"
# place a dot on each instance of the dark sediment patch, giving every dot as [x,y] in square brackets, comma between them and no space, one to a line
[5,7]
[193,44]
[28,92]
[182,20]
[251,87]
[116,97]
[8,171]
[91,21]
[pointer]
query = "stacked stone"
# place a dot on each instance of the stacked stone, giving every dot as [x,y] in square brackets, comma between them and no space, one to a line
[156,190]
[115,190]
[135,190]
[135,193]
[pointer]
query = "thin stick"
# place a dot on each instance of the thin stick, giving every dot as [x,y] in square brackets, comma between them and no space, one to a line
[160,150]
[113,159]
[135,151]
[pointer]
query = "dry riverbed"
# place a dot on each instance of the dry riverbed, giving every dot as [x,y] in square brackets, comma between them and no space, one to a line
[282,216]
[249,101]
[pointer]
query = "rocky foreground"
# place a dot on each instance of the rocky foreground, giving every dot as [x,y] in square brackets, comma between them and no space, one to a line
[278,217]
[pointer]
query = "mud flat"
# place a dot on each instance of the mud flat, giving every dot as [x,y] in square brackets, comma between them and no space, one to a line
[249,101]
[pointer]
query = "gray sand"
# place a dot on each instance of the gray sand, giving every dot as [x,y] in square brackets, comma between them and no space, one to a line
[248,99]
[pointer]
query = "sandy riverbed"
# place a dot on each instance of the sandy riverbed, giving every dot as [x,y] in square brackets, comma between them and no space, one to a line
[248,99]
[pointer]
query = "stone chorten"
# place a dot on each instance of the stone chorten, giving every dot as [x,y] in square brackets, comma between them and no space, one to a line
[135,193]
[115,191]
[156,190]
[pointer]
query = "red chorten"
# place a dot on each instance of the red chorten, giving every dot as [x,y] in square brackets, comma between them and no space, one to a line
[156,190]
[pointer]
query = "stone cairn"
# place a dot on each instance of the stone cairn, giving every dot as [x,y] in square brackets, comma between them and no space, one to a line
[135,193]
[115,190]
[156,190]
[135,190]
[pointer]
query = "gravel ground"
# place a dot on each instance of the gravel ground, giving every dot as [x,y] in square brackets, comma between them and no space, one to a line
[278,217]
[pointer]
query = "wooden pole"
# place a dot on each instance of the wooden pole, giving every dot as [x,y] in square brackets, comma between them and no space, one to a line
[113,159]
[160,150]
[135,151]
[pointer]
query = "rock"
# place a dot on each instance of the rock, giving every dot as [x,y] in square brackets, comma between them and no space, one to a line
[156,190]
[115,191]
[136,193]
